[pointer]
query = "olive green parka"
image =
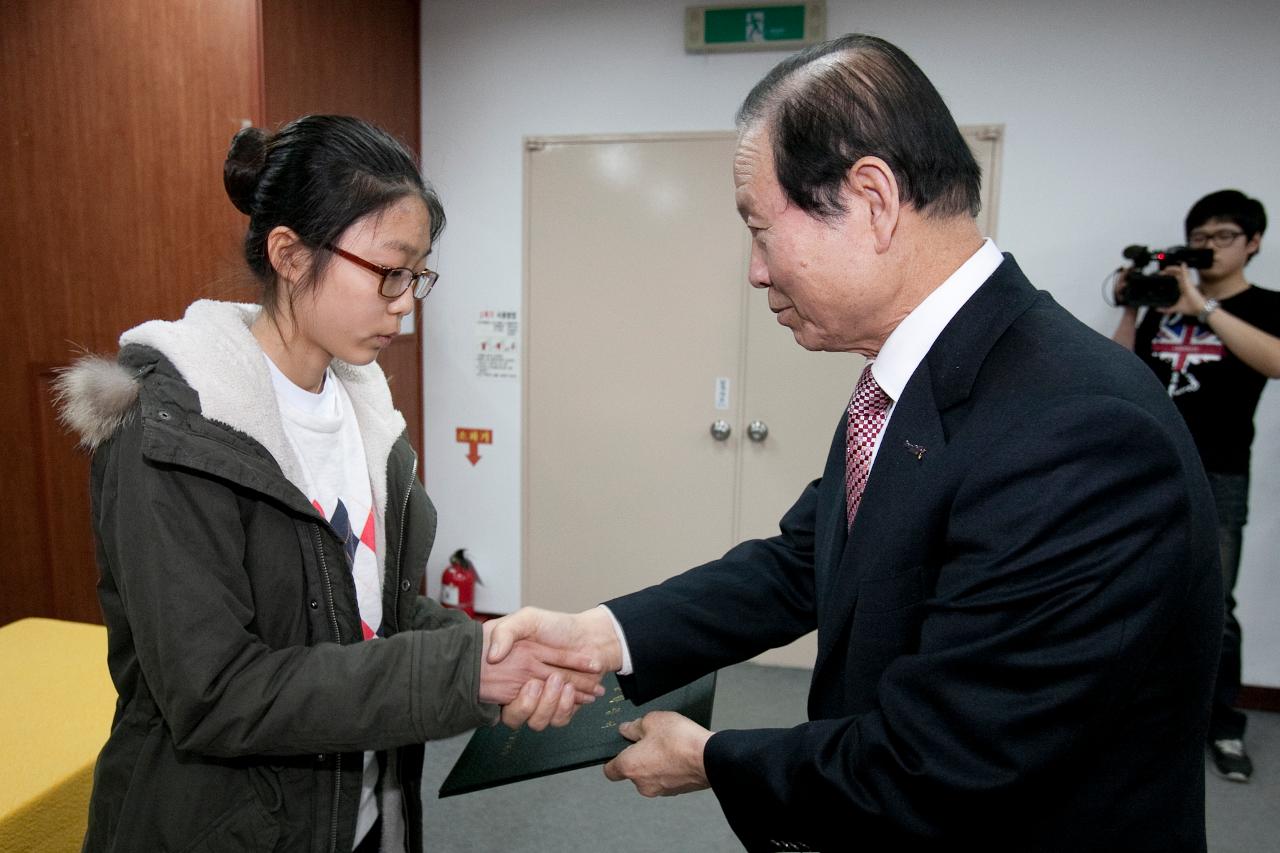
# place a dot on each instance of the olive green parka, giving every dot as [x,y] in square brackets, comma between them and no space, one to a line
[246,692]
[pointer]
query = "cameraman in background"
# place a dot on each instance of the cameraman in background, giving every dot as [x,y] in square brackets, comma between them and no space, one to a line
[1214,350]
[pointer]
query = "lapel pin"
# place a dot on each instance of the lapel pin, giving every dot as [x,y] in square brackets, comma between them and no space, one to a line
[916,449]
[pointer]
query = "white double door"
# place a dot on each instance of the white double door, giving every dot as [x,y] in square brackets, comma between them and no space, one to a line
[641,331]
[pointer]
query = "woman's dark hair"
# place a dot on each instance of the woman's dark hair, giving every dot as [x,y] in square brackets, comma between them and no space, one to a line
[856,96]
[317,175]
[1231,206]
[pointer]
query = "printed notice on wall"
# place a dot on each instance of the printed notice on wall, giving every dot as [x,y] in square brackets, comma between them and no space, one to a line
[497,354]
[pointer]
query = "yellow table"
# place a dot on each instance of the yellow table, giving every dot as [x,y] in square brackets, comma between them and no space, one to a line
[56,703]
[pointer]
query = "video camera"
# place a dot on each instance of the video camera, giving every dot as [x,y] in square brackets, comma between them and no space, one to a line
[1157,290]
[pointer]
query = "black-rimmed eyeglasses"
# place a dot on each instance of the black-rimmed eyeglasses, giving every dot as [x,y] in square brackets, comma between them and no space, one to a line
[395,280]
[1220,239]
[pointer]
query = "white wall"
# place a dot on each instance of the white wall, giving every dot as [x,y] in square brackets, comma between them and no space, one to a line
[1118,114]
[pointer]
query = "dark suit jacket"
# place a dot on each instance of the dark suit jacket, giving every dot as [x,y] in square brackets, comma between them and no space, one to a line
[1017,642]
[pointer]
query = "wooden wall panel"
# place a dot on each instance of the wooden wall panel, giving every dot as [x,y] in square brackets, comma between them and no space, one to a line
[361,59]
[115,119]
[72,590]
[343,56]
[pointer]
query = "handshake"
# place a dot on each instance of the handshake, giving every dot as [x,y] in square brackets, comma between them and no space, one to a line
[540,665]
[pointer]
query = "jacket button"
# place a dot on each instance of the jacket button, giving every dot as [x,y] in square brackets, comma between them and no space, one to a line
[164,416]
[404,585]
[314,604]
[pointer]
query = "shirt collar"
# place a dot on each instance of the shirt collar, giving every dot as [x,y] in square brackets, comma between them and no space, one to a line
[908,344]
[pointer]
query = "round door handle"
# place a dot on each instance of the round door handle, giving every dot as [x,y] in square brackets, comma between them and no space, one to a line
[720,430]
[758,431]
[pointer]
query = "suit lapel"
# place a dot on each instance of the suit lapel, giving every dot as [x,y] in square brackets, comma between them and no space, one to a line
[913,447]
[829,530]
[913,442]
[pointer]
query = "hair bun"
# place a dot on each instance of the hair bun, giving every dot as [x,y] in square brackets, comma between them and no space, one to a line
[245,159]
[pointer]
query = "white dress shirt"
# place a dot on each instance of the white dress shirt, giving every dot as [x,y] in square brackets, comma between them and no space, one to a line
[910,342]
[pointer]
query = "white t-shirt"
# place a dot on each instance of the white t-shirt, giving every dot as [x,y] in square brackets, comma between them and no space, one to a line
[324,435]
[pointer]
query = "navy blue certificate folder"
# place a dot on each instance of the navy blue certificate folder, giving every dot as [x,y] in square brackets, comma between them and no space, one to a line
[498,756]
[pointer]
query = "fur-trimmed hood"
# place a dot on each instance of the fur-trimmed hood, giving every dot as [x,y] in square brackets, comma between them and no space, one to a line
[215,351]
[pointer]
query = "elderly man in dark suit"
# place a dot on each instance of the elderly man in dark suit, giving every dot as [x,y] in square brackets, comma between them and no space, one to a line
[1010,557]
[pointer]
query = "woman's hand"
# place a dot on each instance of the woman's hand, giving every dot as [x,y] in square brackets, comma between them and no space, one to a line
[538,685]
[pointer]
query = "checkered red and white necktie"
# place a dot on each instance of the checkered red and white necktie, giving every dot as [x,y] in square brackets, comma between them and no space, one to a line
[867,409]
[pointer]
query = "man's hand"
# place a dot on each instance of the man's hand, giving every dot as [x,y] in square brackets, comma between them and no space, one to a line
[667,756]
[1190,300]
[1120,283]
[537,684]
[589,634]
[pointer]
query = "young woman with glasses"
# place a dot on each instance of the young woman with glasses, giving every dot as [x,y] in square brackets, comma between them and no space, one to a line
[262,533]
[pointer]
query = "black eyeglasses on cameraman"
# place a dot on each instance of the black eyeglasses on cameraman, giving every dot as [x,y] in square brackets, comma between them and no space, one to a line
[1220,239]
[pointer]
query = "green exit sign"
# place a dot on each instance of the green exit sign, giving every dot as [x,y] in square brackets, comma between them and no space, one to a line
[764,26]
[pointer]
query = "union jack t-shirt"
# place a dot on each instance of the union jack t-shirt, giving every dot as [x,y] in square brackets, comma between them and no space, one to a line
[1215,391]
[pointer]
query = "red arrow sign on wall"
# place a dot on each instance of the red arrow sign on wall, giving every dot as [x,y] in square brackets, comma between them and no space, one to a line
[474,437]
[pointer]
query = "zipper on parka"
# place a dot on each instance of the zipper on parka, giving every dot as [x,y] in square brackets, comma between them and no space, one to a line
[395,615]
[333,619]
[404,510]
[337,636]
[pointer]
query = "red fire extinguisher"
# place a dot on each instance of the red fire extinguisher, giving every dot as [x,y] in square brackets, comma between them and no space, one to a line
[458,584]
